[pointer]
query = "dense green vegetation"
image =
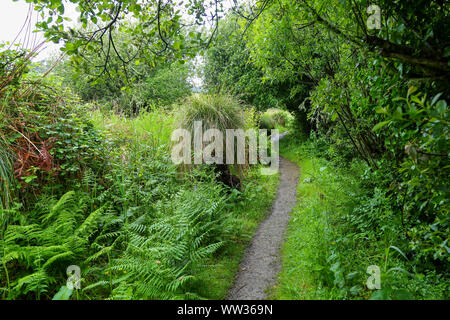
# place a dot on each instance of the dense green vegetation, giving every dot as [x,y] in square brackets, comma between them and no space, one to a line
[372,102]
[86,176]
[331,241]
[84,186]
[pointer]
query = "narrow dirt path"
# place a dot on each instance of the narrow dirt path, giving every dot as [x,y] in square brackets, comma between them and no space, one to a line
[261,263]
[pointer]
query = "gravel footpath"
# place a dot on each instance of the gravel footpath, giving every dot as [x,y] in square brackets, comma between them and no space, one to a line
[261,263]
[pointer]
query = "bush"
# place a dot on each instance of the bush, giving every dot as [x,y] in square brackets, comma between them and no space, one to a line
[281,117]
[45,132]
[218,111]
[266,121]
[50,136]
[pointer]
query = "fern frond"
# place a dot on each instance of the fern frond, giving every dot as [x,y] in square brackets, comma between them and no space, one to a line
[90,224]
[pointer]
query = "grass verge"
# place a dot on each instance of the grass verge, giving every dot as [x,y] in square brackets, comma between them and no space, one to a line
[305,248]
[311,267]
[338,231]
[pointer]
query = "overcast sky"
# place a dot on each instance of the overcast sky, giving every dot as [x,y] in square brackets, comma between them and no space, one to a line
[13,16]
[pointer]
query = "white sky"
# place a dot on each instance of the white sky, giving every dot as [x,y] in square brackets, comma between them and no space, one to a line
[12,18]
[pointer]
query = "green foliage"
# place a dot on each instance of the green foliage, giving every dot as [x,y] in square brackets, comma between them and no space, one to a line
[148,87]
[219,111]
[339,228]
[46,137]
[159,230]
[354,98]
[266,121]
[157,31]
[164,251]
[63,294]
[280,117]
[375,190]
[228,67]
[420,126]
[44,247]
[53,140]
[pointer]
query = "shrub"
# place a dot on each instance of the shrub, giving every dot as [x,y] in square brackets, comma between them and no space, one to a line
[280,117]
[47,133]
[266,121]
[218,111]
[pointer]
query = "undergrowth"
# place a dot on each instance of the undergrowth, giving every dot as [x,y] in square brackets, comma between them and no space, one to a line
[99,191]
[339,228]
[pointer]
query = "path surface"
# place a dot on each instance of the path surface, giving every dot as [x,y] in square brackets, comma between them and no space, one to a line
[261,263]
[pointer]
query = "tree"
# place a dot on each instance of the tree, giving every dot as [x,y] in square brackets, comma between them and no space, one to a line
[155,29]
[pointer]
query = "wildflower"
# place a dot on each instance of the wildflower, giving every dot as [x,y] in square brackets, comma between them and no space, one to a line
[106,272]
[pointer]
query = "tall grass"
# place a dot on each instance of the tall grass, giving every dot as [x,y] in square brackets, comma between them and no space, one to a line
[215,111]
[6,175]
[218,111]
[152,127]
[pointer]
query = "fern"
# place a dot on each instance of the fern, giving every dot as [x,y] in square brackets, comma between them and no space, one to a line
[89,224]
[163,254]
[48,247]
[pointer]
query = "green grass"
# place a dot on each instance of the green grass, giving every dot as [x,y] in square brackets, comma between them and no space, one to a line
[337,229]
[308,240]
[218,111]
[304,248]
[152,128]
